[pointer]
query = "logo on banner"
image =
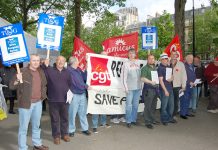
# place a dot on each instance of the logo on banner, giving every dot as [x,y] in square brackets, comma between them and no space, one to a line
[9,30]
[99,74]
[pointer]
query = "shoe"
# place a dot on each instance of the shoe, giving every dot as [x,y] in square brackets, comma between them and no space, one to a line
[165,123]
[173,121]
[106,125]
[149,126]
[66,138]
[190,115]
[129,125]
[94,130]
[42,147]
[115,120]
[122,119]
[212,111]
[183,117]
[156,122]
[57,141]
[87,132]
[11,112]
[175,118]
[134,123]
[71,134]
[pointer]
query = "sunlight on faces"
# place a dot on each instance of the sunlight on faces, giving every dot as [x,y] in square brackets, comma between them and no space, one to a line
[34,62]
[151,60]
[164,61]
[131,54]
[60,62]
[189,59]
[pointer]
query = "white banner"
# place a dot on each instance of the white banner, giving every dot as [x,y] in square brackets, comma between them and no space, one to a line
[105,77]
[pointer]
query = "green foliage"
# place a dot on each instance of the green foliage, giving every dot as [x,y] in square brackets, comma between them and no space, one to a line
[165,30]
[103,29]
[206,32]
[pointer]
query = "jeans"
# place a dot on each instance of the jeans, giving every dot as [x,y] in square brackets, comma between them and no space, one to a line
[167,107]
[78,104]
[150,102]
[59,118]
[194,99]
[95,120]
[213,100]
[25,115]
[185,101]
[132,102]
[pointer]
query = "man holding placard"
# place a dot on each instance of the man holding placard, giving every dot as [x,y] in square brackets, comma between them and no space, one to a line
[150,91]
[59,83]
[30,95]
[166,90]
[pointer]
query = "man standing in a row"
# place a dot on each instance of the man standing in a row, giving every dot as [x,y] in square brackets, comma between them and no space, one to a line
[179,80]
[59,83]
[166,91]
[31,92]
[150,92]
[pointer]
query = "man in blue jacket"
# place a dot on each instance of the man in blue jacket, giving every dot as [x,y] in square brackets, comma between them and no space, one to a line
[79,102]
[185,101]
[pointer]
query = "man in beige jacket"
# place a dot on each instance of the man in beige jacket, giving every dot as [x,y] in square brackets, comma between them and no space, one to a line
[180,78]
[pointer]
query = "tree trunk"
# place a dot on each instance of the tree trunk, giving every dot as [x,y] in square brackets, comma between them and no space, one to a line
[78,18]
[180,21]
[25,17]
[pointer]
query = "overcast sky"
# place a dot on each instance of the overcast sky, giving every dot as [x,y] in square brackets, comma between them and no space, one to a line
[150,7]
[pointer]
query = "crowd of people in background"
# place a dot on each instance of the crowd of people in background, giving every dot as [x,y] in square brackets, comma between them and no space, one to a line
[178,94]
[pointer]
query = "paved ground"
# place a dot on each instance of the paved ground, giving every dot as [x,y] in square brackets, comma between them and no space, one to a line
[198,133]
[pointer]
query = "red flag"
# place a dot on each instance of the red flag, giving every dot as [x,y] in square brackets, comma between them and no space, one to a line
[119,45]
[174,46]
[80,50]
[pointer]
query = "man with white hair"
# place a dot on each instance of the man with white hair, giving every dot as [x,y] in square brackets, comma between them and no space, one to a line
[79,102]
[184,103]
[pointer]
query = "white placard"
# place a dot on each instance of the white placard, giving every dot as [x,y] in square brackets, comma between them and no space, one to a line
[168,73]
[154,77]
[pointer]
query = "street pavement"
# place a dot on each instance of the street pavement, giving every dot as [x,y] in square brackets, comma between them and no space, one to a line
[196,133]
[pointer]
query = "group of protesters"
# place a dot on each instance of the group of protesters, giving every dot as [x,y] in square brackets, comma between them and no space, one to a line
[178,94]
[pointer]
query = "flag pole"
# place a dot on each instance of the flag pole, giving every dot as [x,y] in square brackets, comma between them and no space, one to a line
[48,52]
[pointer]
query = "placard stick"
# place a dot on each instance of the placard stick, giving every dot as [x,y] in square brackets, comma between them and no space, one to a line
[48,53]
[213,79]
[149,52]
[18,71]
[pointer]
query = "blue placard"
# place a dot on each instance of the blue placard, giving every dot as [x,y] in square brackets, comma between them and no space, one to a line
[50,30]
[149,38]
[13,45]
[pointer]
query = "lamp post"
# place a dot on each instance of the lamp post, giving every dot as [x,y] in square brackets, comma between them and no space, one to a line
[193,39]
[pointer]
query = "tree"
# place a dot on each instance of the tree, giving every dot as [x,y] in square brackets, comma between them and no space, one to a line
[90,6]
[21,10]
[104,28]
[180,20]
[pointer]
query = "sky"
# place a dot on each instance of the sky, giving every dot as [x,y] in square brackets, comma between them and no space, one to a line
[150,7]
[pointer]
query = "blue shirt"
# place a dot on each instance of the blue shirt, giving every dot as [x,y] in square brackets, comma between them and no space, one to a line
[162,73]
[78,77]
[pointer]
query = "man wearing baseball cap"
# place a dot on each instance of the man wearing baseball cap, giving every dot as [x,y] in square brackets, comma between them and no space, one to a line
[211,74]
[166,91]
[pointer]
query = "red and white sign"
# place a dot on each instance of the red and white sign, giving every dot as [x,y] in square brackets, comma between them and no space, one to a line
[174,46]
[118,46]
[107,95]
[80,50]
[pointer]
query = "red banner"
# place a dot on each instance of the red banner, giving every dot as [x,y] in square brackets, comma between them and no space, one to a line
[174,46]
[80,50]
[119,45]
